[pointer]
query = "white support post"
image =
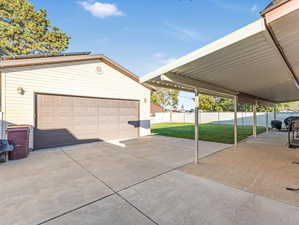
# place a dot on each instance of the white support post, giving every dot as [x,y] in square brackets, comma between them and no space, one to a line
[196,128]
[275,111]
[267,122]
[236,122]
[254,119]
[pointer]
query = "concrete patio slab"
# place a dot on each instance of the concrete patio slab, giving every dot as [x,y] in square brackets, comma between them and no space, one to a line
[44,185]
[275,138]
[260,166]
[110,211]
[140,159]
[169,151]
[115,167]
[63,186]
[177,198]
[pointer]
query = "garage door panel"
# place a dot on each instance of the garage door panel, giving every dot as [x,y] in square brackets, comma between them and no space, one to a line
[66,120]
[50,125]
[79,136]
[77,129]
[54,123]
[128,112]
[61,136]
[85,121]
[90,106]
[128,117]
[109,113]
[106,111]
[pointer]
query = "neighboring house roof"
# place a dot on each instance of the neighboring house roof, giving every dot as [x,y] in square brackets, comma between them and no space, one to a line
[34,60]
[156,108]
[273,5]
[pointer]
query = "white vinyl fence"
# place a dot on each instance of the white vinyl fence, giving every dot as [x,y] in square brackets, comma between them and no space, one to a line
[244,118]
[2,126]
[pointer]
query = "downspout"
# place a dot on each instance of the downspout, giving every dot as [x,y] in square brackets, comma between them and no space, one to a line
[280,49]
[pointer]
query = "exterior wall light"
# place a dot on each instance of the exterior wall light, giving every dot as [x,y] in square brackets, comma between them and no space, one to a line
[20,91]
[99,70]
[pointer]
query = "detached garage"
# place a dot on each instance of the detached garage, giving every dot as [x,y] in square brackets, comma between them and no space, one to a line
[72,99]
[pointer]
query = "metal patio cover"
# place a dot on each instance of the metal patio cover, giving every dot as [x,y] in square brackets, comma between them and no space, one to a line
[257,62]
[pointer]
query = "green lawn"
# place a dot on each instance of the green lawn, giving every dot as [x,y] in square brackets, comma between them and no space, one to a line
[207,132]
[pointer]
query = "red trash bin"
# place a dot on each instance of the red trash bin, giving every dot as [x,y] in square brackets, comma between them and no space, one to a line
[18,136]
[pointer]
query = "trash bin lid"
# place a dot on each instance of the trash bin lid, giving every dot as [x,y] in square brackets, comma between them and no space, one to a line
[5,146]
[19,126]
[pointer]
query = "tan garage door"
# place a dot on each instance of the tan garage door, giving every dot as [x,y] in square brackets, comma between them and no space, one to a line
[67,120]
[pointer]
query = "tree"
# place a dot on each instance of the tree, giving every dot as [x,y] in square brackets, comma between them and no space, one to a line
[24,30]
[219,104]
[225,105]
[167,98]
[294,106]
[207,103]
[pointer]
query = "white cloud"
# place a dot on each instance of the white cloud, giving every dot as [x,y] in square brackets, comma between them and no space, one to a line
[227,5]
[159,55]
[235,6]
[254,8]
[104,39]
[168,60]
[161,58]
[101,40]
[102,10]
[183,33]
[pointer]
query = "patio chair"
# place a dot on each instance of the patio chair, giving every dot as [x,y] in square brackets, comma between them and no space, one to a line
[293,137]
[293,133]
[276,124]
[5,147]
[288,120]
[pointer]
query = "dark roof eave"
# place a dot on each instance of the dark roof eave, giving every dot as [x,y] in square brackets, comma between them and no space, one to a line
[35,56]
[273,5]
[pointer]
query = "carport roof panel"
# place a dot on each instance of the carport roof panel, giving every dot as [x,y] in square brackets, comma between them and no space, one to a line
[245,61]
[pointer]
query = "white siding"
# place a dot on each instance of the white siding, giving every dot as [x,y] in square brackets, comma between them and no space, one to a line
[70,79]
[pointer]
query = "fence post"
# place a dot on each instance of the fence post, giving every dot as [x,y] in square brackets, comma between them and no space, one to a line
[254,118]
[2,126]
[199,117]
[196,127]
[236,122]
[267,122]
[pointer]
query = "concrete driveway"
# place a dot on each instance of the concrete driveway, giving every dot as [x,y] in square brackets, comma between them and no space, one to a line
[140,183]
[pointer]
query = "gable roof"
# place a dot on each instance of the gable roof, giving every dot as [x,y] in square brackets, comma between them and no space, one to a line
[35,60]
[273,5]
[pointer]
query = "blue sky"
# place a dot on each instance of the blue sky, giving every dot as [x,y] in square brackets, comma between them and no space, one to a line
[142,35]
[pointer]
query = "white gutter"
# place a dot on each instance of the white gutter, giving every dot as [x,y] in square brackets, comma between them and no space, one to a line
[274,14]
[196,84]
